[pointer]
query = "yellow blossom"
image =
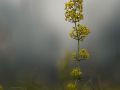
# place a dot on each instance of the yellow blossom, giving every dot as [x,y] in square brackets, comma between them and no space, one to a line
[84,54]
[80,32]
[69,5]
[71,86]
[76,73]
[74,10]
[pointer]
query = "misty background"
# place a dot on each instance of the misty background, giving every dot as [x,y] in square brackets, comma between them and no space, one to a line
[34,36]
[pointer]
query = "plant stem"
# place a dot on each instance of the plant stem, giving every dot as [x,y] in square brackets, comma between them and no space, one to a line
[78,42]
[78,48]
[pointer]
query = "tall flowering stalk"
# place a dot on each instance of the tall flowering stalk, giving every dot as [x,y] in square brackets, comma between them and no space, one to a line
[74,14]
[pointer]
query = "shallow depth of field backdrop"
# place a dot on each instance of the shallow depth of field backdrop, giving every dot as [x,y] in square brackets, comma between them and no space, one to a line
[34,36]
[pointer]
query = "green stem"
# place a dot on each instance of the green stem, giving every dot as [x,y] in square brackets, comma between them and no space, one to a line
[78,42]
[78,48]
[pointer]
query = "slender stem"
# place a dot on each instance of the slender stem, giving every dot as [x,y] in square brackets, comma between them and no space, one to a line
[77,36]
[78,48]
[78,42]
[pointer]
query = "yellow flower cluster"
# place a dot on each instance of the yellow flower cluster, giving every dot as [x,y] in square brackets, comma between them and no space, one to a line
[79,32]
[71,86]
[84,54]
[76,73]
[74,10]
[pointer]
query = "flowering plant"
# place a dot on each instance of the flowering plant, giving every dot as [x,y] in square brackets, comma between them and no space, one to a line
[74,14]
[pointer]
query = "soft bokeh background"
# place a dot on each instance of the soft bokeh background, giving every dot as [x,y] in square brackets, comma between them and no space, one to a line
[34,36]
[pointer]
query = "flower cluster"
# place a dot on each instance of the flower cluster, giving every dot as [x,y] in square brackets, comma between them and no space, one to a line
[71,86]
[79,32]
[82,55]
[74,10]
[76,73]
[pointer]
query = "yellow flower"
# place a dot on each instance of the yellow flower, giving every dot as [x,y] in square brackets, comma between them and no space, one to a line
[71,86]
[80,32]
[76,73]
[74,10]
[69,4]
[84,54]
[80,7]
[83,30]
